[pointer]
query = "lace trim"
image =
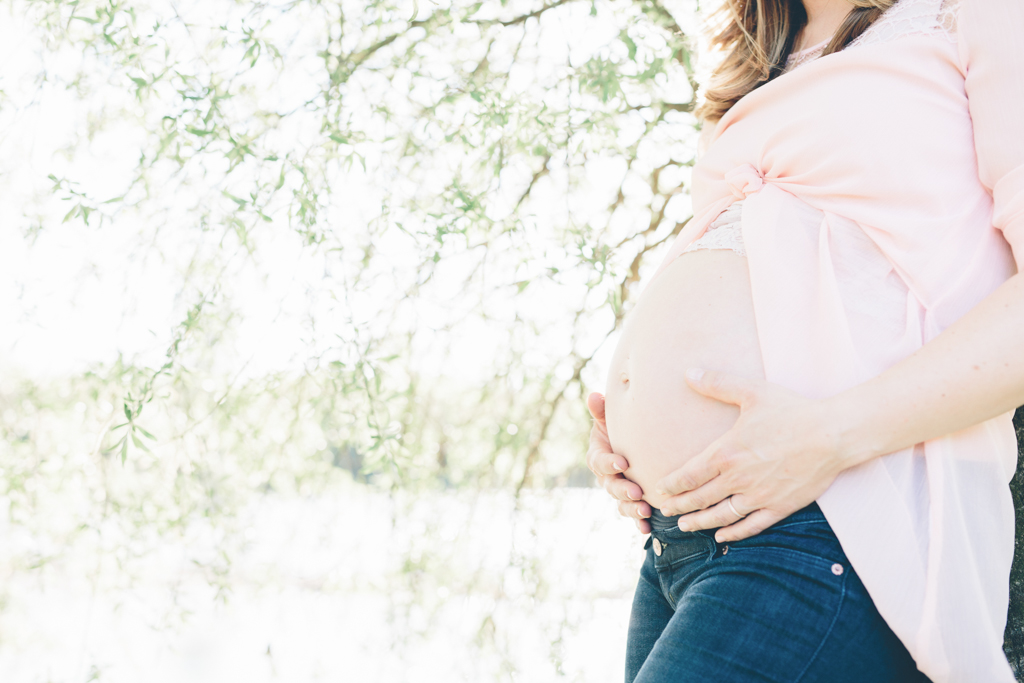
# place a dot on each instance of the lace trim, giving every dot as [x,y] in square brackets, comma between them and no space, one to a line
[904,18]
[724,233]
[800,58]
[949,15]
[913,17]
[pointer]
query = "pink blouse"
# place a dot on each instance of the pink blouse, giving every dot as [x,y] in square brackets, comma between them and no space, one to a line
[726,231]
[884,198]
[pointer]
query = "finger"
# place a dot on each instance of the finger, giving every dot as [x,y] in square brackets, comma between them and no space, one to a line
[636,510]
[722,386]
[644,526]
[692,475]
[599,444]
[595,404]
[603,463]
[716,516]
[701,498]
[621,488]
[751,525]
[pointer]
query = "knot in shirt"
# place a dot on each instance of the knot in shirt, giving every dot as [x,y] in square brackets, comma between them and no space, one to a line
[744,180]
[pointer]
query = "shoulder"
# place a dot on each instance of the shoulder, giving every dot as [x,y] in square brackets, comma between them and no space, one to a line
[989,30]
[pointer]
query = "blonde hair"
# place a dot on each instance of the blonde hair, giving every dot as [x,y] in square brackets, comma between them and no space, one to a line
[758,36]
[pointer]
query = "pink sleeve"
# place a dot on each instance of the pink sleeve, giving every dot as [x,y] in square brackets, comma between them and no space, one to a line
[991,37]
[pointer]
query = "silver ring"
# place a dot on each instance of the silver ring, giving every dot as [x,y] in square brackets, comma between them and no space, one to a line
[733,508]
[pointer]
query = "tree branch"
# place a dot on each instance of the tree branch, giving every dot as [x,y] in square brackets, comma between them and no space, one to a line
[521,19]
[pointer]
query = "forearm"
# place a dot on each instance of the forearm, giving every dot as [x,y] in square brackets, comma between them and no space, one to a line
[972,372]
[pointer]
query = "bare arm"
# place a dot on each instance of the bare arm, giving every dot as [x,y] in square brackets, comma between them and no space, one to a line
[970,373]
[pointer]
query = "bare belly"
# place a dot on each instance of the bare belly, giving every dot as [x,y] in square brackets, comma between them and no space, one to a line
[697,313]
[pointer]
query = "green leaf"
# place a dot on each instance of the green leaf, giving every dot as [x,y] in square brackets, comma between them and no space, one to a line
[237,200]
[124,450]
[116,445]
[630,45]
[138,442]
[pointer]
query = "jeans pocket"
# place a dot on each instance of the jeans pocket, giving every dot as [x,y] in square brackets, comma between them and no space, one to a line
[787,600]
[680,547]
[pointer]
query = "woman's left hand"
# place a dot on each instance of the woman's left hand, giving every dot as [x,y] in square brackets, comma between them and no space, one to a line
[776,459]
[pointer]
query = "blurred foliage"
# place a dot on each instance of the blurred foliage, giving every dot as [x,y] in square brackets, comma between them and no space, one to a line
[473,189]
[258,113]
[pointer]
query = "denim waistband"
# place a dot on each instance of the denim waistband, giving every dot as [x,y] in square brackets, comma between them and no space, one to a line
[660,522]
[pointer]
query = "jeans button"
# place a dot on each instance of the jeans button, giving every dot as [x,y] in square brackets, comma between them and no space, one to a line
[657,547]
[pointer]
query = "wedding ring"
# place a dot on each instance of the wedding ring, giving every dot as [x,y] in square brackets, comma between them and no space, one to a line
[733,508]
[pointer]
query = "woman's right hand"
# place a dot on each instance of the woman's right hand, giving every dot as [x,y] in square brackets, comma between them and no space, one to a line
[609,468]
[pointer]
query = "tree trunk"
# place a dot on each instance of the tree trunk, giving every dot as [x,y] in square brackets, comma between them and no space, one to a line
[1013,638]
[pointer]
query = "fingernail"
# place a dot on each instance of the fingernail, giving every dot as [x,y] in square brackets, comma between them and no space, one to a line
[666,512]
[616,466]
[632,497]
[684,526]
[694,374]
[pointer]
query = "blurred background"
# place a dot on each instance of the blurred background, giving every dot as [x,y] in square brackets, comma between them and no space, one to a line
[300,304]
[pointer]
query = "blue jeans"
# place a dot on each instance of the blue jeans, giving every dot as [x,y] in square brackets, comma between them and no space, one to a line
[783,606]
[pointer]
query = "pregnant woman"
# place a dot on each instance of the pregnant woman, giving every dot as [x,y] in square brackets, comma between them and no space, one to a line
[810,404]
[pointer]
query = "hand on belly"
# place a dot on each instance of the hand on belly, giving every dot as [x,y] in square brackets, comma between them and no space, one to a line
[697,313]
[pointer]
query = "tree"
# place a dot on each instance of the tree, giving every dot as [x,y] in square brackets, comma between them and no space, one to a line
[1014,637]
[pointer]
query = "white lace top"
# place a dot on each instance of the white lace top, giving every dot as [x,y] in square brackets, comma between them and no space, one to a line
[725,232]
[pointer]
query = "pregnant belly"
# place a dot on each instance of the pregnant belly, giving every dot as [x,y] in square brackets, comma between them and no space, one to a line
[697,313]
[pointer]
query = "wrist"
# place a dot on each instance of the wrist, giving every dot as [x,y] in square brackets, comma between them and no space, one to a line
[850,438]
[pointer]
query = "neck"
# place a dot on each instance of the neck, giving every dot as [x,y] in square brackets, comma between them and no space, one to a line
[824,17]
